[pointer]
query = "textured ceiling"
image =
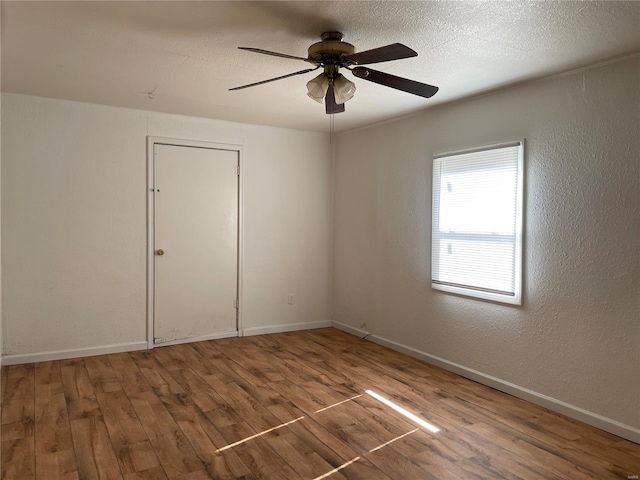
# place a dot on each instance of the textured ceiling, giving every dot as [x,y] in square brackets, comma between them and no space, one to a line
[116,52]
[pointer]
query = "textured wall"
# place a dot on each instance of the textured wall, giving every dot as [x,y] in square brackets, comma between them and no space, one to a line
[74,221]
[288,227]
[577,334]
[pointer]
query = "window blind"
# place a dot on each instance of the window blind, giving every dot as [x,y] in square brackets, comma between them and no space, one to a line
[477,222]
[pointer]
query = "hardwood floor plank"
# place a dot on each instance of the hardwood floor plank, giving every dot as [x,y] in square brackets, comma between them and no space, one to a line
[204,438]
[531,453]
[154,473]
[333,449]
[363,469]
[19,402]
[130,442]
[242,378]
[199,475]
[4,374]
[579,450]
[56,465]
[78,390]
[18,459]
[102,375]
[55,457]
[260,457]
[301,457]
[172,448]
[128,374]
[284,406]
[94,452]
[155,374]
[485,448]
[206,441]
[394,465]
[439,467]
[18,423]
[16,430]
[259,417]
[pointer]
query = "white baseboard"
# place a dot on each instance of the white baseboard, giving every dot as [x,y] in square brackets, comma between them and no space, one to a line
[289,327]
[72,353]
[203,338]
[577,413]
[349,329]
[130,347]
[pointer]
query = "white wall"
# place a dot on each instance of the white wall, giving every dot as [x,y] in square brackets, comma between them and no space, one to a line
[74,224]
[576,338]
[288,228]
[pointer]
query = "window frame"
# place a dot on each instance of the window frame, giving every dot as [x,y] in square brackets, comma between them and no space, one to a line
[468,291]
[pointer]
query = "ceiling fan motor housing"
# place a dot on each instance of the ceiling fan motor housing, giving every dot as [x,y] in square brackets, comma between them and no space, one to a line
[330,50]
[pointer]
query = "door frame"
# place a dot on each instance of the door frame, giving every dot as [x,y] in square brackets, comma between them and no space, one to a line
[151,141]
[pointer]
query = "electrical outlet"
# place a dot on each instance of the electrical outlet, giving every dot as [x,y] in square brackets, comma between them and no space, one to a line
[291,300]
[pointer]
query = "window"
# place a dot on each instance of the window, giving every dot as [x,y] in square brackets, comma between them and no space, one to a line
[477,222]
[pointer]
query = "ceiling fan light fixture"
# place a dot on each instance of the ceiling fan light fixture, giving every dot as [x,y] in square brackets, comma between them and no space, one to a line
[317,87]
[344,89]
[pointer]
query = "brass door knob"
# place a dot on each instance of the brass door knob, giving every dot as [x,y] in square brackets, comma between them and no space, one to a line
[160,252]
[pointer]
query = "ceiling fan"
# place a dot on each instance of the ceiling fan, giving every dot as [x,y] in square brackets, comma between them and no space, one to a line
[331,54]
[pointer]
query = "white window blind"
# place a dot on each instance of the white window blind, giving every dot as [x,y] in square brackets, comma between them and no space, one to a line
[477,222]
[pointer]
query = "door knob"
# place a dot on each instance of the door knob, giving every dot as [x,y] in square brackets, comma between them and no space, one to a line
[160,252]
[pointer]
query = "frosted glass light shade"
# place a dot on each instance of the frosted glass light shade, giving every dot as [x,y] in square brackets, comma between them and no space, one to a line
[317,87]
[343,89]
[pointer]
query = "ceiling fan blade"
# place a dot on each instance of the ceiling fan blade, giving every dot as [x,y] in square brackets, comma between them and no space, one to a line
[275,54]
[395,51]
[399,83]
[274,79]
[330,102]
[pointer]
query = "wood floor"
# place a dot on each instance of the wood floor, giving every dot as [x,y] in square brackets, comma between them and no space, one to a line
[285,406]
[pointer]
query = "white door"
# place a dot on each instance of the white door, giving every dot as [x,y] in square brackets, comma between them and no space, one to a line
[195,243]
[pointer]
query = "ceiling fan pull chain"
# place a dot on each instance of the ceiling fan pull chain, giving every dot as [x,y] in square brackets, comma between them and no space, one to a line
[331,127]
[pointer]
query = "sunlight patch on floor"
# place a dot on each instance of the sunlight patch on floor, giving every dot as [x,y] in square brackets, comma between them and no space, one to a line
[393,440]
[336,404]
[257,435]
[331,472]
[404,412]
